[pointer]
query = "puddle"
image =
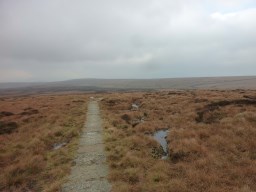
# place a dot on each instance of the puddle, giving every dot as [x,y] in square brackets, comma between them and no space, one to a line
[57,146]
[160,137]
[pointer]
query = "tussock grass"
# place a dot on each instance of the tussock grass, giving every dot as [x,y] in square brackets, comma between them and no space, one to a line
[28,161]
[211,141]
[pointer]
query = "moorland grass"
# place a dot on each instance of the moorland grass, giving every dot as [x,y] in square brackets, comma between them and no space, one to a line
[213,152]
[28,160]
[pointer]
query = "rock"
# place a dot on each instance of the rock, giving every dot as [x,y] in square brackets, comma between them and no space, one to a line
[57,146]
[135,107]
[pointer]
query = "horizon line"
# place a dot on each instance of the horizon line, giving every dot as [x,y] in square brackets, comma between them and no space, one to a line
[161,78]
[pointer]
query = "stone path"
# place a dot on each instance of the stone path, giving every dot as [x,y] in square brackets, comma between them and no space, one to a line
[90,172]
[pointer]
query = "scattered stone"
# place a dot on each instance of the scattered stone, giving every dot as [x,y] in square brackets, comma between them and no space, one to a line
[135,107]
[57,146]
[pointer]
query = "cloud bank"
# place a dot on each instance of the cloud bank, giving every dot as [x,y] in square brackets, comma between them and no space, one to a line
[60,39]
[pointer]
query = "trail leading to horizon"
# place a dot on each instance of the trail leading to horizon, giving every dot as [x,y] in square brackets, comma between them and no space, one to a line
[90,172]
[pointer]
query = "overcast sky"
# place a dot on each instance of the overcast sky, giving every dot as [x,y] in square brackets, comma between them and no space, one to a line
[49,40]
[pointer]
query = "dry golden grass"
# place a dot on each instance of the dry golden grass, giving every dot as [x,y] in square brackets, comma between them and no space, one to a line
[28,160]
[212,141]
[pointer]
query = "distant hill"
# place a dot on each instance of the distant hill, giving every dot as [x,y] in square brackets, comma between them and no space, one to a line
[246,82]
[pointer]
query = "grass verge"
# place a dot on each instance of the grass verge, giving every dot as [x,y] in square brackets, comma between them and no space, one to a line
[38,139]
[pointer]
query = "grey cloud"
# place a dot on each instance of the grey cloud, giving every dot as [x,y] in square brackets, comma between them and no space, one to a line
[62,39]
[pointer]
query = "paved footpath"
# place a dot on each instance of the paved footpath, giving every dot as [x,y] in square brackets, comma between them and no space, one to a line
[90,172]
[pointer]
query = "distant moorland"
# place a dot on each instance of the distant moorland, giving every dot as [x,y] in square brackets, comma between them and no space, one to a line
[99,85]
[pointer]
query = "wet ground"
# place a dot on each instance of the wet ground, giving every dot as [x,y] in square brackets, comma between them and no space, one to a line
[160,137]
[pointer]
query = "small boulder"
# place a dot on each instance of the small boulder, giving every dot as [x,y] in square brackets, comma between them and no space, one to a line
[135,107]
